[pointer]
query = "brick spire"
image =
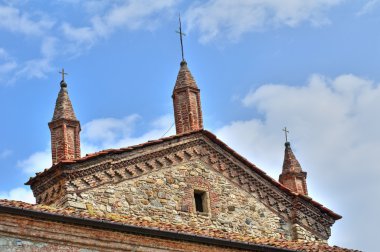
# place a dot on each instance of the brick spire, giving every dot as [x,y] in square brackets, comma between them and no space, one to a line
[187,102]
[64,129]
[292,175]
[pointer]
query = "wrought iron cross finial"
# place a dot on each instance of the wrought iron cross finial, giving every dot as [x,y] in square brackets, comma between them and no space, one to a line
[63,74]
[180,36]
[286,133]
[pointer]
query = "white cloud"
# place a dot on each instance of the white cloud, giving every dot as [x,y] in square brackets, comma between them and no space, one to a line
[81,35]
[104,133]
[39,67]
[95,6]
[108,133]
[36,162]
[14,20]
[334,133]
[49,47]
[7,63]
[231,19]
[5,153]
[368,7]
[62,38]
[90,6]
[31,25]
[19,193]
[130,15]
[34,68]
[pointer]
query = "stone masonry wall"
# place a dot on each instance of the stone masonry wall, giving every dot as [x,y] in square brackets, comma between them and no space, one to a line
[16,244]
[302,234]
[167,196]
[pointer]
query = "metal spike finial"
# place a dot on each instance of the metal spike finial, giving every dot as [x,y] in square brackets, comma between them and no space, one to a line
[181,34]
[286,134]
[63,83]
[63,74]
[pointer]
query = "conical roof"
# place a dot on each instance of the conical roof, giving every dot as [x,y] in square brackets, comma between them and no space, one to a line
[185,78]
[291,163]
[63,107]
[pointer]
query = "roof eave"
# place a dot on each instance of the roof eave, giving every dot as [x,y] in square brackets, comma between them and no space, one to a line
[146,231]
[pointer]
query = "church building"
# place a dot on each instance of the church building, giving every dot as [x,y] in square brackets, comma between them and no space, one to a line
[186,192]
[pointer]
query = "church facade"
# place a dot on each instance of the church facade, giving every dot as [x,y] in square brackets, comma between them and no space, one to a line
[186,192]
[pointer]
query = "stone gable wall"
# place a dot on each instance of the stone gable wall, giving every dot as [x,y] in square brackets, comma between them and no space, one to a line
[167,196]
[91,185]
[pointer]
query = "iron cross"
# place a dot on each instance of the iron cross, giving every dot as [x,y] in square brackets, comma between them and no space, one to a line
[63,74]
[180,36]
[286,133]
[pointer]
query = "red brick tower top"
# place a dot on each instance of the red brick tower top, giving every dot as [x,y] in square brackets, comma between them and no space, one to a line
[187,102]
[292,175]
[63,107]
[64,128]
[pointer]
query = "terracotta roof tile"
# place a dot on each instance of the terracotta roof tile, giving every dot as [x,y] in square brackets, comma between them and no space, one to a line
[291,163]
[213,233]
[185,78]
[63,107]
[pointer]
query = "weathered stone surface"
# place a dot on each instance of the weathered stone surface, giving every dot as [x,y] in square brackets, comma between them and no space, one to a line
[303,234]
[152,158]
[77,204]
[229,207]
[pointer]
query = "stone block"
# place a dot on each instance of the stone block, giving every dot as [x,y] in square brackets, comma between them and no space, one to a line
[79,205]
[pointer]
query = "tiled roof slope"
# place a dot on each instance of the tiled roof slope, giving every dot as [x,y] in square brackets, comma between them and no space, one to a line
[292,175]
[138,222]
[291,163]
[185,78]
[63,107]
[210,136]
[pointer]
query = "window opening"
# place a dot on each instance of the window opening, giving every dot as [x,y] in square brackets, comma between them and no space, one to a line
[199,198]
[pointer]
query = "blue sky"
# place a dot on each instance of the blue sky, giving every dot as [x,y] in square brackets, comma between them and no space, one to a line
[260,64]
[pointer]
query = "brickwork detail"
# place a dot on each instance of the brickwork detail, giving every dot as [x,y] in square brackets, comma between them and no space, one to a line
[64,129]
[110,170]
[30,235]
[200,183]
[187,102]
[292,175]
[166,195]
[311,220]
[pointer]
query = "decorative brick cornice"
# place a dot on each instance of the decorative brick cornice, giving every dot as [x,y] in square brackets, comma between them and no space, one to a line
[116,167]
[69,122]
